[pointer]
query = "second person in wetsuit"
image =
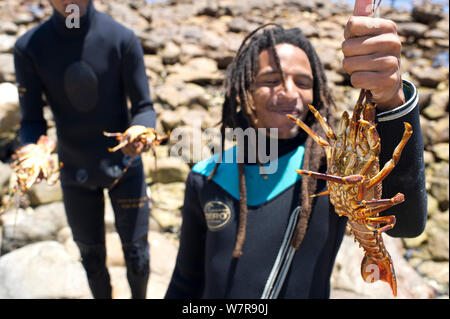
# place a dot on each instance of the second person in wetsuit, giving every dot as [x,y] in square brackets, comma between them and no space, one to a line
[86,73]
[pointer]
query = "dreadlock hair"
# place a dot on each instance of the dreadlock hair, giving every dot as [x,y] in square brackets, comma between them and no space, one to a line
[240,77]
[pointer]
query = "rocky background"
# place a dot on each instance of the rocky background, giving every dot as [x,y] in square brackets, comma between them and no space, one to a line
[188,45]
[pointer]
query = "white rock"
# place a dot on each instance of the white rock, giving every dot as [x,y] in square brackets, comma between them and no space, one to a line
[43,193]
[163,254]
[347,274]
[6,43]
[5,173]
[9,106]
[7,72]
[23,227]
[42,270]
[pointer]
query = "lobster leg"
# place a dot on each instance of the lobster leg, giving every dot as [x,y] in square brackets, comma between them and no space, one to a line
[388,220]
[321,193]
[379,203]
[117,147]
[389,166]
[111,134]
[318,139]
[351,179]
[341,137]
[327,129]
[354,122]
[369,208]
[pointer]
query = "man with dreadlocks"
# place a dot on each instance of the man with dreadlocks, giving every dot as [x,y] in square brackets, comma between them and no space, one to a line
[252,235]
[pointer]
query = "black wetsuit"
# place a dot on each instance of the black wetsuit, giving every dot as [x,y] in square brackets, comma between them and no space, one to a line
[205,267]
[86,75]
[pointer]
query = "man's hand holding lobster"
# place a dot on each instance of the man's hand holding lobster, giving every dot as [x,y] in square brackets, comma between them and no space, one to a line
[33,163]
[135,140]
[372,53]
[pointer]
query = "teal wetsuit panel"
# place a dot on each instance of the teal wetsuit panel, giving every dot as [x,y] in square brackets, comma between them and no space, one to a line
[259,190]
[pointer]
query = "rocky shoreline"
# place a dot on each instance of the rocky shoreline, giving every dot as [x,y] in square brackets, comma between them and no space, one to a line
[188,45]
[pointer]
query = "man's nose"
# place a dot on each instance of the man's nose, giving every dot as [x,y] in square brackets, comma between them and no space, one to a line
[289,89]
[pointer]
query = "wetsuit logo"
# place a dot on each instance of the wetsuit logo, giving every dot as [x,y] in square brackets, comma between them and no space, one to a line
[217,215]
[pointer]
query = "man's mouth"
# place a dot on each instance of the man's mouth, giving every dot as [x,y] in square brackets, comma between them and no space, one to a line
[286,110]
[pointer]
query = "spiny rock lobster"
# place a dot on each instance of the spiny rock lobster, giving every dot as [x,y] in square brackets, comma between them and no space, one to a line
[354,182]
[32,163]
[136,134]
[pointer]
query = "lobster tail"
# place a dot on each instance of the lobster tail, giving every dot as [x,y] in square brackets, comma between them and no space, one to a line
[373,270]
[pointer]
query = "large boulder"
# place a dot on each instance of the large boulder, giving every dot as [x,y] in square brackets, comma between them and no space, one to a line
[42,271]
[163,253]
[9,106]
[428,13]
[43,193]
[6,43]
[25,226]
[7,72]
[412,29]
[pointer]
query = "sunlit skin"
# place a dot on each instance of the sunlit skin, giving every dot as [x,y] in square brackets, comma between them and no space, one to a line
[272,99]
[372,56]
[61,5]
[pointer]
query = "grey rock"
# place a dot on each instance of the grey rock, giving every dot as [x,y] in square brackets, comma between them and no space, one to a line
[441,130]
[161,269]
[411,29]
[347,274]
[24,18]
[43,193]
[437,271]
[22,227]
[168,196]
[171,53]
[9,107]
[170,120]
[239,24]
[436,34]
[125,15]
[8,27]
[427,12]
[42,271]
[441,151]
[437,230]
[177,93]
[437,177]
[7,72]
[154,63]
[429,76]
[6,43]
[424,98]
[5,173]
[169,170]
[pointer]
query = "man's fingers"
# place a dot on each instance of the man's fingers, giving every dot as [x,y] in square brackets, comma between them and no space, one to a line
[133,149]
[370,80]
[387,42]
[128,150]
[375,63]
[363,7]
[139,148]
[367,26]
